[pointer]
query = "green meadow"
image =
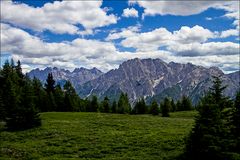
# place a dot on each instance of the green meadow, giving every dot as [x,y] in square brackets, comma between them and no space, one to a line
[82,135]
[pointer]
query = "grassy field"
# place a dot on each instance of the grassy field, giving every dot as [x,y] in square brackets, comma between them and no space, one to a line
[99,136]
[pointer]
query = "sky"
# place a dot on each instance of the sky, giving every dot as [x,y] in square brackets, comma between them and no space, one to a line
[103,34]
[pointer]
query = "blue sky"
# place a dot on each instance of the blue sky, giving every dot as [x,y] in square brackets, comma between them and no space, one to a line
[103,34]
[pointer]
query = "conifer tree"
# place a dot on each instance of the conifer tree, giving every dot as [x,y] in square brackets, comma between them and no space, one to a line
[186,104]
[71,99]
[165,107]
[40,95]
[50,88]
[59,98]
[154,109]
[140,107]
[105,105]
[123,104]
[114,107]
[94,106]
[173,106]
[50,83]
[209,138]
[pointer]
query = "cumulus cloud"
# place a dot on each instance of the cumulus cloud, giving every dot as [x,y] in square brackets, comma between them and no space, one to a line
[186,8]
[230,32]
[69,54]
[161,37]
[130,12]
[34,52]
[58,17]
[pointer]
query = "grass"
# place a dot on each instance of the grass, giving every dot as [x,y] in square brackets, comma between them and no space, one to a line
[99,136]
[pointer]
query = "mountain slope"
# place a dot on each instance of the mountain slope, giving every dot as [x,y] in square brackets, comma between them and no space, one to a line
[77,77]
[154,78]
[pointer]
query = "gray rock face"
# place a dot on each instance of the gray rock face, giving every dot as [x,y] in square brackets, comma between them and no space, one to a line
[154,78]
[77,77]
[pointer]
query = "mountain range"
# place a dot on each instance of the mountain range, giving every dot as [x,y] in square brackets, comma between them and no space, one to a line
[148,78]
[77,77]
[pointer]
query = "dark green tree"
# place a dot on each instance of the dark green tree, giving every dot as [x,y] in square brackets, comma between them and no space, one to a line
[114,107]
[19,70]
[71,99]
[50,88]
[50,83]
[59,98]
[154,108]
[40,95]
[105,105]
[165,107]
[186,104]
[94,106]
[25,115]
[209,138]
[173,106]
[123,104]
[140,107]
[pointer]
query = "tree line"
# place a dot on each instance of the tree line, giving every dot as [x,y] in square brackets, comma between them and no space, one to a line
[22,99]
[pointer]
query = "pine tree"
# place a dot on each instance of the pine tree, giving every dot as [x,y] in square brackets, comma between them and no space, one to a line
[40,95]
[123,104]
[71,99]
[209,137]
[140,107]
[154,109]
[186,104]
[19,69]
[236,124]
[173,106]
[94,106]
[114,107]
[2,107]
[50,88]
[165,107]
[105,105]
[59,98]
[50,83]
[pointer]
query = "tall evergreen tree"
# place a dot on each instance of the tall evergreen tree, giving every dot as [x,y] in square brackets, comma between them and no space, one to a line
[140,107]
[50,88]
[165,107]
[154,109]
[209,137]
[123,104]
[71,98]
[105,105]
[40,95]
[114,107]
[173,106]
[25,115]
[50,83]
[19,70]
[94,106]
[186,104]
[59,98]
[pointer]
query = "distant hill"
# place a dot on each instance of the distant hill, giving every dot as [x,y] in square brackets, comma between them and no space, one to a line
[77,77]
[156,79]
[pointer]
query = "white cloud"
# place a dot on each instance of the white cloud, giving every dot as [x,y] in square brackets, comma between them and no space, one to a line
[209,18]
[125,33]
[205,49]
[34,52]
[150,41]
[230,32]
[185,8]
[130,12]
[58,17]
